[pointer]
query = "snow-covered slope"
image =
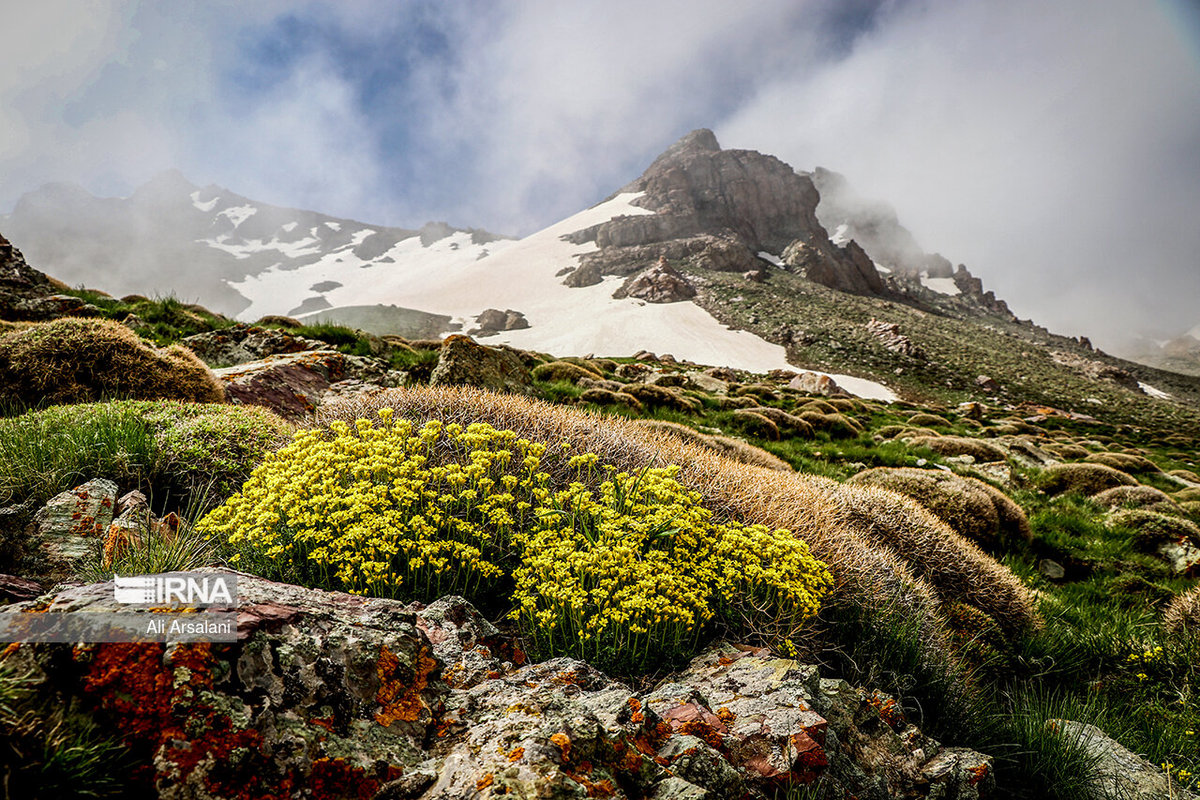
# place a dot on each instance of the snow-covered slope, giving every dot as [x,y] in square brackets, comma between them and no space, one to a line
[235,255]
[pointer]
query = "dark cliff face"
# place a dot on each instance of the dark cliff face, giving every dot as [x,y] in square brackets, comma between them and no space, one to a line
[717,209]
[19,282]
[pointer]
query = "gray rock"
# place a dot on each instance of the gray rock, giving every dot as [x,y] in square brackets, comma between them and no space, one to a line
[462,362]
[241,344]
[812,383]
[660,283]
[72,524]
[1051,569]
[1120,772]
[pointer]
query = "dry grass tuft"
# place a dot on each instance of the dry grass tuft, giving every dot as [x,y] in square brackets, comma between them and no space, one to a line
[970,507]
[564,371]
[1182,615]
[865,535]
[1126,462]
[1146,497]
[1086,479]
[960,446]
[733,449]
[76,360]
[923,420]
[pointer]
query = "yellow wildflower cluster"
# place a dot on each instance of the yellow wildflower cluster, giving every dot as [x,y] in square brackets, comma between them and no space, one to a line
[630,574]
[387,510]
[635,575]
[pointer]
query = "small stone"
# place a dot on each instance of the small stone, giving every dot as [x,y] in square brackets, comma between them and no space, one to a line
[1051,569]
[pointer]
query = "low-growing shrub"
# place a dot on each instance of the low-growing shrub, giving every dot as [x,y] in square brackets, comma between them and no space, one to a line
[756,424]
[563,371]
[1126,462]
[789,424]
[625,569]
[168,447]
[923,420]
[981,513]
[1146,497]
[1086,479]
[606,397]
[960,446]
[75,360]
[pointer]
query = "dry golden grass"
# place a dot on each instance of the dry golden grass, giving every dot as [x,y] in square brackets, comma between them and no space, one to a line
[77,360]
[874,541]
[960,446]
[564,371]
[1146,497]
[788,424]
[1086,479]
[760,425]
[923,420]
[1182,615]
[1126,462]
[733,449]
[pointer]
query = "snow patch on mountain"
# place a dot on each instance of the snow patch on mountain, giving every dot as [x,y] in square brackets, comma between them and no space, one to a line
[238,214]
[1150,390]
[945,286]
[841,235]
[770,258]
[207,205]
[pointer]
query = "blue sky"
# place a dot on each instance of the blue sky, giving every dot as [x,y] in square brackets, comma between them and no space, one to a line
[1053,147]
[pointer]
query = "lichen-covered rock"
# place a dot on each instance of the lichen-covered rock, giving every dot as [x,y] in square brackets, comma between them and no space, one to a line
[241,344]
[813,383]
[72,525]
[462,362]
[332,695]
[294,384]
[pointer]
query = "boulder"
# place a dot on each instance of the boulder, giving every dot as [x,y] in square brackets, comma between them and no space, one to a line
[462,362]
[889,335]
[294,384]
[243,343]
[72,525]
[815,383]
[492,321]
[1119,772]
[328,694]
[661,283]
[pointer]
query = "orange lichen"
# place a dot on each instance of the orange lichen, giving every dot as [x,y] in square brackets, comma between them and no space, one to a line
[725,715]
[323,722]
[635,706]
[8,651]
[516,754]
[978,773]
[484,782]
[400,687]
[564,745]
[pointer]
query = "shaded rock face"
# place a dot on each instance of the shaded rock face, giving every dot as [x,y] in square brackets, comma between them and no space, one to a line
[493,320]
[462,362]
[1121,773]
[742,201]
[28,295]
[293,385]
[660,284]
[327,694]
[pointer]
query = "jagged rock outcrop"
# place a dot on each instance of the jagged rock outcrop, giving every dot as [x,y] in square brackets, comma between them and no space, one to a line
[326,694]
[241,344]
[661,283]
[492,321]
[716,209]
[294,384]
[889,335]
[29,295]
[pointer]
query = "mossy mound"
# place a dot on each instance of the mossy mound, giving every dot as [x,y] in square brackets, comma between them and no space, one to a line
[652,395]
[1126,462]
[563,371]
[979,512]
[1086,479]
[837,425]
[960,446]
[1153,528]
[1185,474]
[76,360]
[1188,494]
[1146,497]
[756,424]
[923,420]
[1070,452]
[607,397]
[788,424]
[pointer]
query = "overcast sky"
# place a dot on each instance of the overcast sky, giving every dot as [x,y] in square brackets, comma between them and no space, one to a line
[1054,147]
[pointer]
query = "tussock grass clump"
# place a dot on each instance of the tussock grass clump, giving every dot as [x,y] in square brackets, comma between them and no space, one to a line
[1071,452]
[1146,497]
[788,424]
[875,589]
[924,420]
[1125,462]
[1188,494]
[756,424]
[606,397]
[1152,528]
[625,569]
[1085,479]
[980,512]
[1182,615]
[1185,474]
[657,396]
[960,446]
[733,449]
[183,448]
[75,360]
[837,425]
[563,371]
